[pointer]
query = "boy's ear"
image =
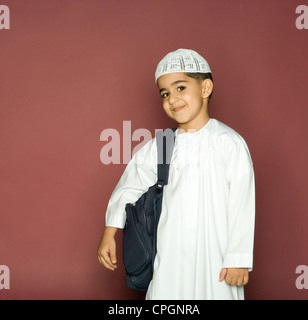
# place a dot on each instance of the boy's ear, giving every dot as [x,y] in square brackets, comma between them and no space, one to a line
[207,88]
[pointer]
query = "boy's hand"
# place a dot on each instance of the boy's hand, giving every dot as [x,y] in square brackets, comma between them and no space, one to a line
[234,276]
[107,249]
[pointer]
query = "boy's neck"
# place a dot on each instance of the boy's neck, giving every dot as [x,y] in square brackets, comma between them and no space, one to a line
[195,126]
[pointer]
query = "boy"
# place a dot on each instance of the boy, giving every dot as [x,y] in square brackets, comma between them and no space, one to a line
[206,228]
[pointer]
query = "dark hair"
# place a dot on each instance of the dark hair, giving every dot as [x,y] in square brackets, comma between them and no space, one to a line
[200,77]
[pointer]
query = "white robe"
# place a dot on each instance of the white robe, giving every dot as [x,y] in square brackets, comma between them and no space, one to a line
[208,212]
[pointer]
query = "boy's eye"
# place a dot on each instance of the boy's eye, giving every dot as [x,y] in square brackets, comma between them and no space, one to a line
[179,89]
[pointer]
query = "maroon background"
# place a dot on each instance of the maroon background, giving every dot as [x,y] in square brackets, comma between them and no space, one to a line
[70,69]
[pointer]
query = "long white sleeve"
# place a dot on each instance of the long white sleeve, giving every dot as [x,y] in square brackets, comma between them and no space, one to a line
[241,206]
[139,174]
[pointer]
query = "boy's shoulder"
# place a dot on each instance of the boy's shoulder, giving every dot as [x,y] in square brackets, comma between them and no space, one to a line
[221,130]
[223,136]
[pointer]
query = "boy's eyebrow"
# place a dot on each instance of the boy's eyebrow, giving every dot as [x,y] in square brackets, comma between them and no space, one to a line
[172,84]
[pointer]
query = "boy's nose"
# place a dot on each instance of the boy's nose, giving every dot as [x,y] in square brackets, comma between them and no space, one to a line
[173,98]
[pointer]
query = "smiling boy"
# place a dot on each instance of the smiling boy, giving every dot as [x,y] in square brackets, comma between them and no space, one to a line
[206,228]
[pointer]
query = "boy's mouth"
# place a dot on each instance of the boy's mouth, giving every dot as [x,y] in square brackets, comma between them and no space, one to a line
[177,109]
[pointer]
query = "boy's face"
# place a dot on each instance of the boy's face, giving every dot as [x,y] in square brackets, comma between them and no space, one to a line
[185,99]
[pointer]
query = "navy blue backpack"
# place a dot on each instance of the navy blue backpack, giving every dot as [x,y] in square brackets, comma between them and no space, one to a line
[139,233]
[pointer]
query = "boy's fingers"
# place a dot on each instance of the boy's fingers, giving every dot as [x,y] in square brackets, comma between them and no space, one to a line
[107,250]
[234,278]
[104,260]
[109,259]
[113,259]
[246,279]
[107,265]
[229,280]
[113,256]
[223,274]
[242,279]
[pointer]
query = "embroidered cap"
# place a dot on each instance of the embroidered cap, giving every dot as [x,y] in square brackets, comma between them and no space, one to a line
[182,60]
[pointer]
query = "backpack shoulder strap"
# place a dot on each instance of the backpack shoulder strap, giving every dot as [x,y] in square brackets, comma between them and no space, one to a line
[165,142]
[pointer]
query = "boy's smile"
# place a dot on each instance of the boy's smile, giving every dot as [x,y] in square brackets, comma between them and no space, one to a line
[185,99]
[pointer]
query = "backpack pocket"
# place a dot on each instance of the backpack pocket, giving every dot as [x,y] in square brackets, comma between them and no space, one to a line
[137,250]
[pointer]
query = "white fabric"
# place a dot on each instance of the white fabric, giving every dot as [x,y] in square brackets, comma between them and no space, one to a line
[182,60]
[207,219]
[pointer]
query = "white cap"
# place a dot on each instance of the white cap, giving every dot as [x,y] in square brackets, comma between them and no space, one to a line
[182,60]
